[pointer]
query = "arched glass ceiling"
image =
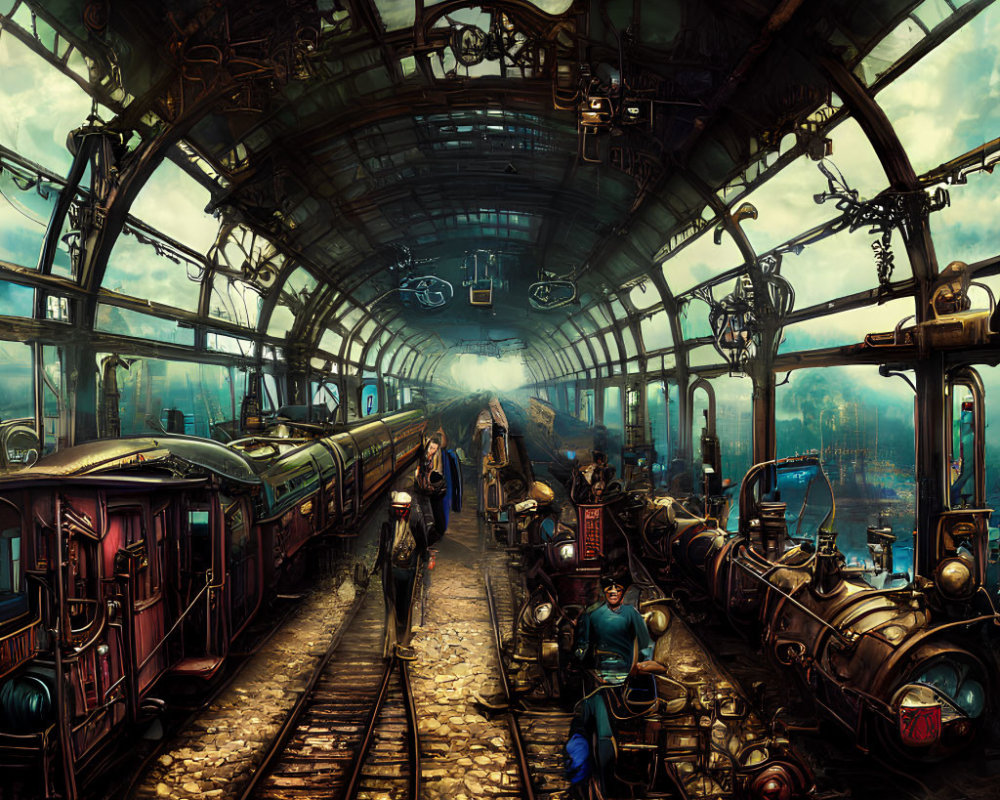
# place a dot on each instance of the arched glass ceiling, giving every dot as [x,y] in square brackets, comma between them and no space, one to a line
[416,174]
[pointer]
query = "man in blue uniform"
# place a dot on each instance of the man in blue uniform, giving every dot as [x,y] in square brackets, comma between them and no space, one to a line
[613,639]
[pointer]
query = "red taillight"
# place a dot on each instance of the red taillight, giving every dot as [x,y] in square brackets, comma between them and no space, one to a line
[400,510]
[920,725]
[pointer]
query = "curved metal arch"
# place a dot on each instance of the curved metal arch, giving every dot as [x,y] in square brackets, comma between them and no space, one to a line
[381,356]
[898,169]
[585,338]
[572,345]
[403,348]
[382,327]
[632,316]
[616,334]
[544,361]
[142,164]
[562,360]
[417,353]
[348,342]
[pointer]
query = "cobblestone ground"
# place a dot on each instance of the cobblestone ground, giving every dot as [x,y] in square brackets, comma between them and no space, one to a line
[217,754]
[464,755]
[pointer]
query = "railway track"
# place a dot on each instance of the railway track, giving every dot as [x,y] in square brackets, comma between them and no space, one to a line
[538,734]
[353,732]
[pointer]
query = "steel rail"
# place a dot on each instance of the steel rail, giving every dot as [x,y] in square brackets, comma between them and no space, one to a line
[371,723]
[527,787]
[288,728]
[413,733]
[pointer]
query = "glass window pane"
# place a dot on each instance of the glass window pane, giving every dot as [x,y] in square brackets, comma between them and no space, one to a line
[351,318]
[733,425]
[295,295]
[126,322]
[837,266]
[937,107]
[174,203]
[854,156]
[26,203]
[630,349]
[16,381]
[281,322]
[207,395]
[694,315]
[229,344]
[147,268]
[41,106]
[614,422]
[600,316]
[966,230]
[655,332]
[331,342]
[847,327]
[704,356]
[661,401]
[612,345]
[366,330]
[701,260]
[16,300]
[644,296]
[785,205]
[861,424]
[235,301]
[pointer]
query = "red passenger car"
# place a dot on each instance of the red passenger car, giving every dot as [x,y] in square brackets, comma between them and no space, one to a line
[122,561]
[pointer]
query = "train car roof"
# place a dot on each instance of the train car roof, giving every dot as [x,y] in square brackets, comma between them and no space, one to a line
[181,456]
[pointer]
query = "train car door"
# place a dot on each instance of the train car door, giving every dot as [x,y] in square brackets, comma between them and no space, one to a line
[201,578]
[350,479]
[329,487]
[244,587]
[139,533]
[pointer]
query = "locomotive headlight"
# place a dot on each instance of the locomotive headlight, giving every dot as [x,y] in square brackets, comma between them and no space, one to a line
[542,612]
[954,578]
[773,783]
[566,552]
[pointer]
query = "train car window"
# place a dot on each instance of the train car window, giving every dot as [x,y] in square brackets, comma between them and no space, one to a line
[291,478]
[13,598]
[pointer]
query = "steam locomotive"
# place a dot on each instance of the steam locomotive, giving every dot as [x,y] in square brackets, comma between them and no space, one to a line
[124,561]
[903,664]
[687,732]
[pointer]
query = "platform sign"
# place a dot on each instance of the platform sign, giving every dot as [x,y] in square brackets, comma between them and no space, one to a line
[591,532]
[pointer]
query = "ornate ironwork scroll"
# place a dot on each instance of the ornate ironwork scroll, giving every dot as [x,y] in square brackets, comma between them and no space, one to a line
[761,299]
[881,214]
